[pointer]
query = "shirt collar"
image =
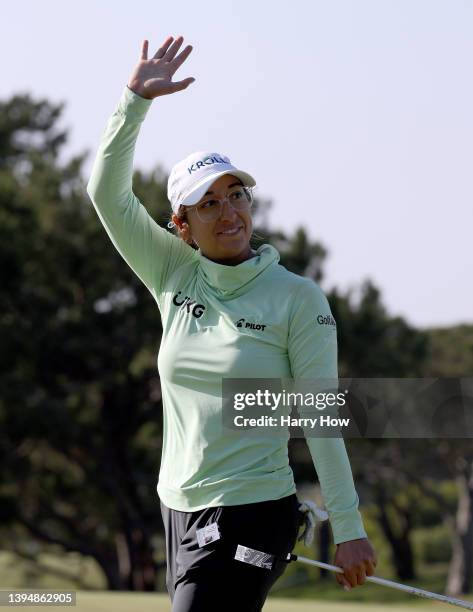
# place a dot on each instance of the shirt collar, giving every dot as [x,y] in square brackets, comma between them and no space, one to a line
[232,280]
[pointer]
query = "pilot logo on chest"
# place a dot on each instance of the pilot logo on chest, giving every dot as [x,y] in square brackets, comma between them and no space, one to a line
[249,325]
[188,305]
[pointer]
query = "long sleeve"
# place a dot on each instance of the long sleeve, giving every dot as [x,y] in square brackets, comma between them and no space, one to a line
[151,251]
[313,355]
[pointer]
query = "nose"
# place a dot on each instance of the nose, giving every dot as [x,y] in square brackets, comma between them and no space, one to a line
[227,211]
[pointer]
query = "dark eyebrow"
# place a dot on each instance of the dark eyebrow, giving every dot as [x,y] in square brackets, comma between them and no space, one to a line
[232,185]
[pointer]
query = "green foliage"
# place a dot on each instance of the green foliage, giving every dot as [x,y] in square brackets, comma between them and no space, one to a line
[372,343]
[434,545]
[79,406]
[451,352]
[299,255]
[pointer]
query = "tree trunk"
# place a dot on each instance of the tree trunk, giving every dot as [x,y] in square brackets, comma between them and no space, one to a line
[137,569]
[401,549]
[130,568]
[323,547]
[460,573]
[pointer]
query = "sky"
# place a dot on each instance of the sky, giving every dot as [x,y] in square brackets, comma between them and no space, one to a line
[354,117]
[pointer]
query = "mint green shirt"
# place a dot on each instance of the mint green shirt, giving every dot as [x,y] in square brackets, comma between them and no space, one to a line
[200,303]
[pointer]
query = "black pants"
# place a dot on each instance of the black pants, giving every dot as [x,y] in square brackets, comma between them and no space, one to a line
[209,578]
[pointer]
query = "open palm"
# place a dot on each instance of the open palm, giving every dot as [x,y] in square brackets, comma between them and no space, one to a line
[153,77]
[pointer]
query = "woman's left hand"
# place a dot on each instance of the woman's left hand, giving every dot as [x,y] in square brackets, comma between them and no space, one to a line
[358,559]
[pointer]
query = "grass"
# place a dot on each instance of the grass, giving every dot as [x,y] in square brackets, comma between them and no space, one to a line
[146,602]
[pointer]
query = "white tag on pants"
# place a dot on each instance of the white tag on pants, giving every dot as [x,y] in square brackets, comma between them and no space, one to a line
[207,534]
[254,557]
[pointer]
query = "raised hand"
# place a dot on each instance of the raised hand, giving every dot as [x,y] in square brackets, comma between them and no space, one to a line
[153,77]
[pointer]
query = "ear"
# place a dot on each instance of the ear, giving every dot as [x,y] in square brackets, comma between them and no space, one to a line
[183,228]
[175,219]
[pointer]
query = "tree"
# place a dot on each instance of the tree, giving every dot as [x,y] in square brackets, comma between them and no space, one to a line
[451,354]
[374,344]
[80,398]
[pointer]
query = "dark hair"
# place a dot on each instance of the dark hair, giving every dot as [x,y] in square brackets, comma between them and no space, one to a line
[182,216]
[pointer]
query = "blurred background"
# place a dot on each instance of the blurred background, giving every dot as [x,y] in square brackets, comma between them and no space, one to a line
[355,118]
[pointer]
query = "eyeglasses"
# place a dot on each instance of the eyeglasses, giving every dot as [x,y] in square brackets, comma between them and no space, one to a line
[210,209]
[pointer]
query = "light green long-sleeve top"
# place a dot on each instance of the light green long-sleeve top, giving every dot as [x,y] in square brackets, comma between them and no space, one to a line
[200,303]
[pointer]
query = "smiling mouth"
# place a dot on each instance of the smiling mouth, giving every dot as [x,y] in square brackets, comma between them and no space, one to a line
[230,232]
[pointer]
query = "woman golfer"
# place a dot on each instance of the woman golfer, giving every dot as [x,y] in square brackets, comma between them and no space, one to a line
[227,311]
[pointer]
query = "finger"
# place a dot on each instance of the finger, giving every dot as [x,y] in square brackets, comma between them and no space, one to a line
[144,50]
[361,577]
[180,85]
[173,49]
[181,58]
[163,48]
[369,567]
[351,577]
[343,582]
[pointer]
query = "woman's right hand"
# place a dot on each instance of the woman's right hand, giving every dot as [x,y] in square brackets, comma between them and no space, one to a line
[153,77]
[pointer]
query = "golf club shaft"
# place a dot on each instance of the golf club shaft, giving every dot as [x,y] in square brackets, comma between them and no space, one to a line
[394,585]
